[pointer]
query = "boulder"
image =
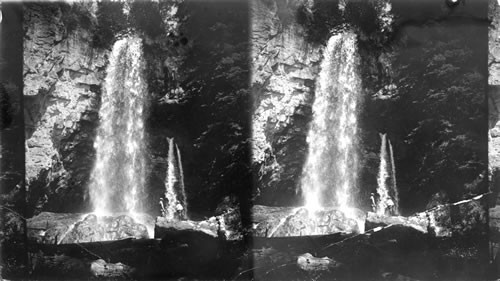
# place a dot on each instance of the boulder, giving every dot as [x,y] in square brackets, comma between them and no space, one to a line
[110,228]
[165,227]
[57,228]
[102,269]
[309,262]
[418,221]
[290,221]
[226,225]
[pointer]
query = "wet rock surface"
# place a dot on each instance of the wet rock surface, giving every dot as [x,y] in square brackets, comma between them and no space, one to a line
[418,222]
[290,221]
[54,228]
[163,227]
[446,220]
[222,227]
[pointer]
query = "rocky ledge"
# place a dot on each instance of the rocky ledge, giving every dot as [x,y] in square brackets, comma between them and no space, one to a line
[58,228]
[447,220]
[220,227]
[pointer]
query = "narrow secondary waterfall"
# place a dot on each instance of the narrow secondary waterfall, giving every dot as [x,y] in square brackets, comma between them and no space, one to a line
[174,206]
[118,177]
[393,182]
[181,181]
[331,169]
[387,194]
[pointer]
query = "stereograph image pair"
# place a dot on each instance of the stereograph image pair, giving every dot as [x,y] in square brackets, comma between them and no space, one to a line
[250,140]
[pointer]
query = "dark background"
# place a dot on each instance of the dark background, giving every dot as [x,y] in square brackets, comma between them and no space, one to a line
[12,192]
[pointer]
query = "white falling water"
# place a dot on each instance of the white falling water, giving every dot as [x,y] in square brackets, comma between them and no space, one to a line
[174,204]
[181,182]
[393,182]
[331,169]
[386,202]
[118,177]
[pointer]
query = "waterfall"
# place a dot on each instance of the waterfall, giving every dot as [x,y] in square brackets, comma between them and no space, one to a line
[170,206]
[174,208]
[387,200]
[393,181]
[384,201]
[181,183]
[118,177]
[331,168]
[170,196]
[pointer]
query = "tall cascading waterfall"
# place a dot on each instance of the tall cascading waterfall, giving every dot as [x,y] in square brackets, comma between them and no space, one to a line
[118,177]
[174,205]
[331,170]
[386,202]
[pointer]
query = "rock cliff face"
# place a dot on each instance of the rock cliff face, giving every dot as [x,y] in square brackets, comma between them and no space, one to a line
[284,67]
[62,77]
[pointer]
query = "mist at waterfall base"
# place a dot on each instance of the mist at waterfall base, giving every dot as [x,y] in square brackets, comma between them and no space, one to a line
[331,170]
